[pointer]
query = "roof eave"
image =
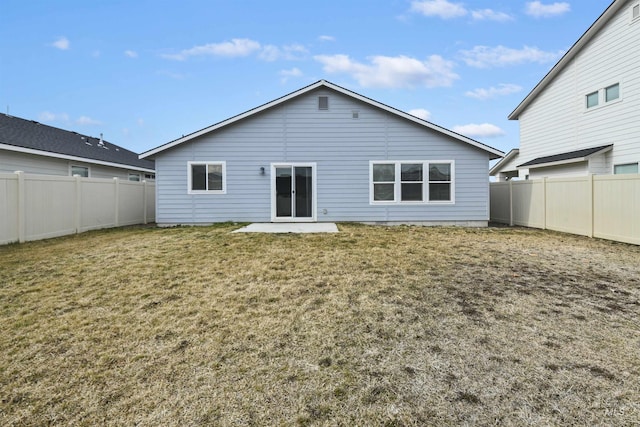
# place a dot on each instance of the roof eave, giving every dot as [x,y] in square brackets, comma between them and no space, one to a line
[568,57]
[510,155]
[567,161]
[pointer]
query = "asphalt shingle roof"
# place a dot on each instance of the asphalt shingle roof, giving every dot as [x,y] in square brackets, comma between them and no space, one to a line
[37,136]
[565,156]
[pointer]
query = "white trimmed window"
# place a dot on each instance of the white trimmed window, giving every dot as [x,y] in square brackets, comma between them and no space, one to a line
[82,171]
[626,168]
[133,176]
[635,12]
[411,182]
[207,178]
[603,96]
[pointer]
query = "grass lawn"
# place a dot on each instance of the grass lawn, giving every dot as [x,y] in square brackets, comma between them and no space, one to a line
[372,326]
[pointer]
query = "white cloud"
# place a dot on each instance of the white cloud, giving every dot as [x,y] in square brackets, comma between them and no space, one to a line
[420,113]
[130,53]
[47,116]
[500,56]
[539,10]
[484,130]
[327,38]
[61,43]
[88,121]
[490,15]
[272,53]
[233,48]
[171,74]
[396,72]
[440,8]
[287,74]
[502,90]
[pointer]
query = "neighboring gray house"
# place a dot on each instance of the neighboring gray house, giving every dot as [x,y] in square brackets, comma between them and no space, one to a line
[582,118]
[323,153]
[33,147]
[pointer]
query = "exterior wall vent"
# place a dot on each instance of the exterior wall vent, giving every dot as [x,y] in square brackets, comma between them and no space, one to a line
[355,114]
[323,103]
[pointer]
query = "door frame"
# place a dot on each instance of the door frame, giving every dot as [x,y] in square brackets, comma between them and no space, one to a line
[314,192]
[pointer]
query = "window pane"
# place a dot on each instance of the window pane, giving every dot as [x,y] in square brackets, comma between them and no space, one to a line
[384,172]
[592,99]
[411,192]
[612,92]
[80,170]
[134,177]
[215,177]
[383,192]
[440,172]
[629,168]
[439,192]
[411,172]
[198,177]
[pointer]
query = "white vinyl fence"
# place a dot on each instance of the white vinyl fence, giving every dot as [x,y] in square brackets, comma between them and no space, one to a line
[34,207]
[603,206]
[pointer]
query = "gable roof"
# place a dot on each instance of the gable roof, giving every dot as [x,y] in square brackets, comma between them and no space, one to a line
[495,153]
[563,158]
[566,59]
[31,137]
[504,161]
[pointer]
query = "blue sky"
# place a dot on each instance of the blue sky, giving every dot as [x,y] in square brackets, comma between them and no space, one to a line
[146,72]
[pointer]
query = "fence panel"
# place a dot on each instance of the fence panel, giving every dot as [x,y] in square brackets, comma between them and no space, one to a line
[97,198]
[500,202]
[36,207]
[616,206]
[568,205]
[8,208]
[604,206]
[49,206]
[528,203]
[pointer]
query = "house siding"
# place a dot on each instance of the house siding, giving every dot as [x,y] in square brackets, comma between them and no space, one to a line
[339,145]
[11,161]
[557,120]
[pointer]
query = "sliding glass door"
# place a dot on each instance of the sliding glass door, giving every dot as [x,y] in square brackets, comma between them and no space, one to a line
[293,192]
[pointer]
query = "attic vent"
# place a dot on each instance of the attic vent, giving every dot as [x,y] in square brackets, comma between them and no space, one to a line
[635,11]
[323,103]
[355,114]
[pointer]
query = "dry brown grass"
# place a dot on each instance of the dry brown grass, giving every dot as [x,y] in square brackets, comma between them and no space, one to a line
[371,326]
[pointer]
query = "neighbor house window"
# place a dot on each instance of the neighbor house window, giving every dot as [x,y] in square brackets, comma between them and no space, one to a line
[207,177]
[592,99]
[409,182]
[635,12]
[612,92]
[627,168]
[134,176]
[82,171]
[149,176]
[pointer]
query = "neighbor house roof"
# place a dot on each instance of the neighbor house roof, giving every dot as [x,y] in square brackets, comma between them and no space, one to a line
[569,56]
[563,158]
[31,137]
[504,161]
[495,153]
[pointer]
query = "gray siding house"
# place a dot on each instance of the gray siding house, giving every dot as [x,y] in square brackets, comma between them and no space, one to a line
[36,148]
[323,153]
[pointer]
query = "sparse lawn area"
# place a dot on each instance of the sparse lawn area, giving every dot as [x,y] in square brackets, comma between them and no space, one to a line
[371,326]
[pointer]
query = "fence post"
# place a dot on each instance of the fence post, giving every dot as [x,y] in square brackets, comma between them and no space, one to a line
[544,203]
[591,205]
[116,201]
[510,203]
[78,207]
[144,201]
[21,207]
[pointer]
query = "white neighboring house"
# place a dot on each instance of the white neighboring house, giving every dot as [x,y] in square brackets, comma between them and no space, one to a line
[583,117]
[35,148]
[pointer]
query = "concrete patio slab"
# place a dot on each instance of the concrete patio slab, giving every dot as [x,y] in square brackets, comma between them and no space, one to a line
[289,227]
